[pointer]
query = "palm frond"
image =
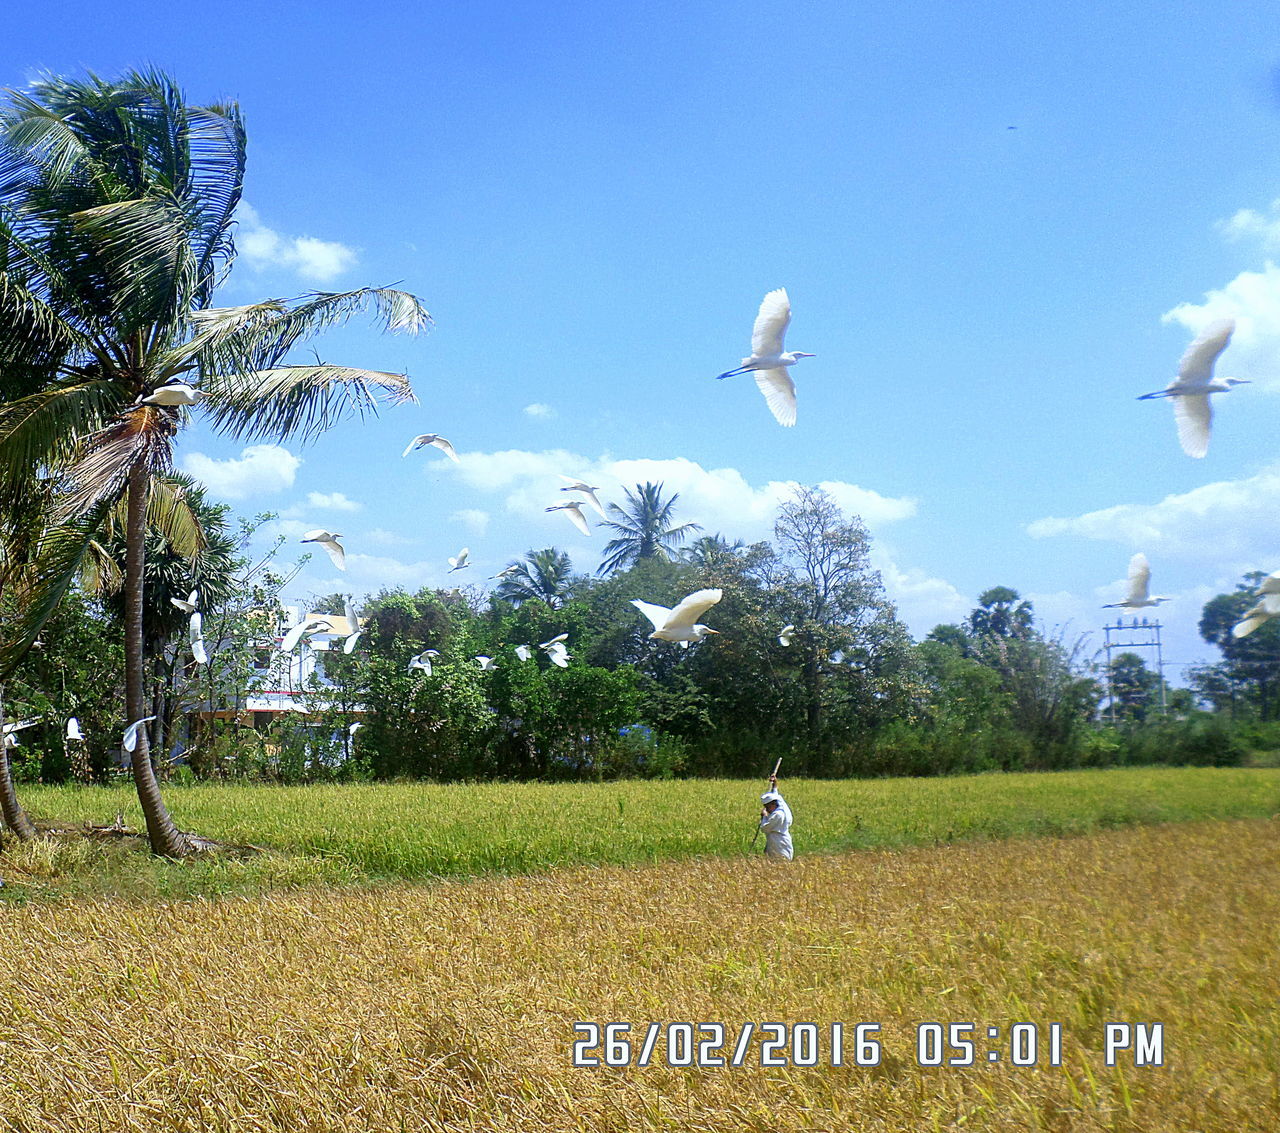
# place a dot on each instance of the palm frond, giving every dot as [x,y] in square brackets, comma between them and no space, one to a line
[58,561]
[141,437]
[43,428]
[170,514]
[143,248]
[259,337]
[304,401]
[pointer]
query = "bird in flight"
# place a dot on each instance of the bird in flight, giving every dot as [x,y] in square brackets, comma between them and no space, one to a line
[588,490]
[1190,390]
[1264,610]
[435,440]
[309,625]
[459,561]
[187,605]
[130,740]
[1139,580]
[768,361]
[679,624]
[784,638]
[573,510]
[195,634]
[422,662]
[174,392]
[329,541]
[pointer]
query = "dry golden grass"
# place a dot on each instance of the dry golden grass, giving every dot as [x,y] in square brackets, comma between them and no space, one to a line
[450,1008]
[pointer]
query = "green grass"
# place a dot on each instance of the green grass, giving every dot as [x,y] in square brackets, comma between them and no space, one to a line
[420,832]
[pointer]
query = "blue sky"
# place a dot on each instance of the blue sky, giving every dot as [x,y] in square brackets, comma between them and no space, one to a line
[592,201]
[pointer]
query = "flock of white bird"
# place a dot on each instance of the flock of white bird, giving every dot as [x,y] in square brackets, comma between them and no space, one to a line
[770,363]
[1193,414]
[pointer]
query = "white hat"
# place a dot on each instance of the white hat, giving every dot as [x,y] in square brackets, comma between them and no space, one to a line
[771,797]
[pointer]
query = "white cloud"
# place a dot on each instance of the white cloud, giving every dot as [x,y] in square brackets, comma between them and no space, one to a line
[537,409]
[1228,518]
[922,600]
[259,469]
[719,499]
[473,519]
[1249,224]
[333,501]
[385,538]
[1253,300]
[316,261]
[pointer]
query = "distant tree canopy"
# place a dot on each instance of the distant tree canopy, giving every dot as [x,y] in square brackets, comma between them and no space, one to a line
[1247,680]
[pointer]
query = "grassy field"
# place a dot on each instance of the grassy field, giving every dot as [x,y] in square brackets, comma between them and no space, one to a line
[423,831]
[450,1007]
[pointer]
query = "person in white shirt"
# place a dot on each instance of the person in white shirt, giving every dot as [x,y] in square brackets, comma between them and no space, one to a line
[775,821]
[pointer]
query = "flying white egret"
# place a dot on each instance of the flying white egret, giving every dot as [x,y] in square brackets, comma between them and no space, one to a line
[422,662]
[435,440]
[73,729]
[1190,390]
[558,655]
[174,392]
[768,361]
[329,541]
[353,620]
[1264,610]
[130,740]
[524,652]
[460,561]
[187,605]
[195,633]
[507,572]
[573,510]
[784,638]
[589,490]
[678,624]
[309,625]
[486,663]
[354,728]
[559,639]
[1139,580]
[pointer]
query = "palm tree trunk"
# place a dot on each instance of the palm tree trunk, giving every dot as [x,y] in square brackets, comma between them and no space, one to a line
[15,818]
[166,839]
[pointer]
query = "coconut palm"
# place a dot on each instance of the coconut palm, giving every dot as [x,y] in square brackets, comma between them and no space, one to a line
[710,551]
[116,220]
[541,574]
[644,527]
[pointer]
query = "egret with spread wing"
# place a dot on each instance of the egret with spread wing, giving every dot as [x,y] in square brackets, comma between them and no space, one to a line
[1139,581]
[1190,390]
[435,440]
[680,624]
[329,541]
[768,361]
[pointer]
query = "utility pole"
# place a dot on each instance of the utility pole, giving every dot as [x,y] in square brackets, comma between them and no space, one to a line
[1144,634]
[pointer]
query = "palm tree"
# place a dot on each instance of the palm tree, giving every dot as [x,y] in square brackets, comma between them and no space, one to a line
[644,527]
[711,551]
[116,222]
[542,574]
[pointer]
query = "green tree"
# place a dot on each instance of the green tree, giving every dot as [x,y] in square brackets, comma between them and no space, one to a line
[645,529]
[852,648]
[1001,613]
[117,202]
[545,575]
[1249,675]
[1135,689]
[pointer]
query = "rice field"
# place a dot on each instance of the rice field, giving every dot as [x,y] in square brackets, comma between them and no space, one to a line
[451,1006]
[423,831]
